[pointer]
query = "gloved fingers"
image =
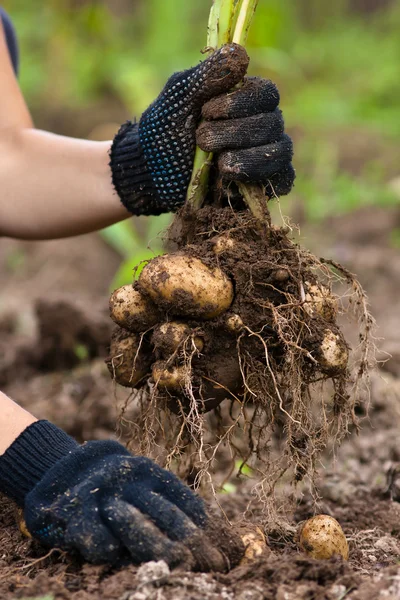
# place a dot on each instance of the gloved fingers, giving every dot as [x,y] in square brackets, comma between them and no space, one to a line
[258,130]
[166,516]
[40,524]
[143,540]
[256,95]
[256,164]
[280,183]
[170,520]
[217,74]
[168,485]
[88,534]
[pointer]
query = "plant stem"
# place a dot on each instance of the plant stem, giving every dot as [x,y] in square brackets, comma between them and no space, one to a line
[254,196]
[225,20]
[202,160]
[220,24]
[245,16]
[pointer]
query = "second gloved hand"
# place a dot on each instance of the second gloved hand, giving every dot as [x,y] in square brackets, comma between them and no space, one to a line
[152,160]
[110,506]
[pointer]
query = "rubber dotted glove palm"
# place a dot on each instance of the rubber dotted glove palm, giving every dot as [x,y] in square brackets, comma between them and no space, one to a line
[152,160]
[108,505]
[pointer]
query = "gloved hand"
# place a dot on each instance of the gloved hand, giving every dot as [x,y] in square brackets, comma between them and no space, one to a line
[151,161]
[106,504]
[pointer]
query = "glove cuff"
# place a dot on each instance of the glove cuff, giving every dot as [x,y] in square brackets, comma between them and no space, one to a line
[30,456]
[130,176]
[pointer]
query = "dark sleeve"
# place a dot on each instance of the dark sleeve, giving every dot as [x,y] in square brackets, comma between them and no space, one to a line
[11,39]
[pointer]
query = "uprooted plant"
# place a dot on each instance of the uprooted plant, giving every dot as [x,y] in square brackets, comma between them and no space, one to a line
[241,321]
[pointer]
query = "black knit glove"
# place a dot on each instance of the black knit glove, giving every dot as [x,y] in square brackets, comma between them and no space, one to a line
[110,506]
[151,161]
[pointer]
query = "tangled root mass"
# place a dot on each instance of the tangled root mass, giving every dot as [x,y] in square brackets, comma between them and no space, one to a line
[247,328]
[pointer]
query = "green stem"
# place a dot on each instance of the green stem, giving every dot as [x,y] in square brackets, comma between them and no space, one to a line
[220,24]
[243,22]
[225,20]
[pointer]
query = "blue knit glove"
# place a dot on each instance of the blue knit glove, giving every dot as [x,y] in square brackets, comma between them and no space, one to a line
[151,161]
[106,504]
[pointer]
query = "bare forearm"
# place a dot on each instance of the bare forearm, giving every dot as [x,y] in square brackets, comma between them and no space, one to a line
[13,421]
[53,186]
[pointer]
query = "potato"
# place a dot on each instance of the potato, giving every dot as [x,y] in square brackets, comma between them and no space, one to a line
[254,541]
[322,537]
[126,363]
[167,337]
[222,244]
[169,377]
[183,285]
[131,310]
[320,301]
[234,323]
[280,275]
[333,353]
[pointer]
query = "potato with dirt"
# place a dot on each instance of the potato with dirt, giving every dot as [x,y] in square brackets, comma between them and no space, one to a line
[184,285]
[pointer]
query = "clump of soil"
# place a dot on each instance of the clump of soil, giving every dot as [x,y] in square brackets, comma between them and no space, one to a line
[65,335]
[250,317]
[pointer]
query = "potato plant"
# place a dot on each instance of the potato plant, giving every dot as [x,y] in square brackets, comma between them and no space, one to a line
[238,312]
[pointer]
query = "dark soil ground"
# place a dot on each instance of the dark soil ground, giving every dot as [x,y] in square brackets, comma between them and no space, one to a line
[52,362]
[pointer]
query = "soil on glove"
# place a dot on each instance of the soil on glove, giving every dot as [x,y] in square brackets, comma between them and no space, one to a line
[80,397]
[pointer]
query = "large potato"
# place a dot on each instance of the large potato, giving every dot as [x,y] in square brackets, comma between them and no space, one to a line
[322,537]
[127,363]
[183,285]
[131,310]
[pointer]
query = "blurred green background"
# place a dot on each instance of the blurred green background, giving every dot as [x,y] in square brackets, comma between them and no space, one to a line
[87,66]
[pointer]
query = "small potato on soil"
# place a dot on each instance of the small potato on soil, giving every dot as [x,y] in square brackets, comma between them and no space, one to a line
[129,360]
[184,285]
[254,542]
[322,537]
[132,310]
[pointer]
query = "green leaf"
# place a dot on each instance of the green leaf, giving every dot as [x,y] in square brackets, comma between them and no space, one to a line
[131,268]
[228,488]
[243,468]
[81,351]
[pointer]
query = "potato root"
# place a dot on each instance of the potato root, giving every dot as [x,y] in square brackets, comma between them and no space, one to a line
[132,310]
[129,360]
[184,285]
[322,537]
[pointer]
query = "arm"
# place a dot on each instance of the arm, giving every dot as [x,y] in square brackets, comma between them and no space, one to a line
[52,186]
[13,421]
